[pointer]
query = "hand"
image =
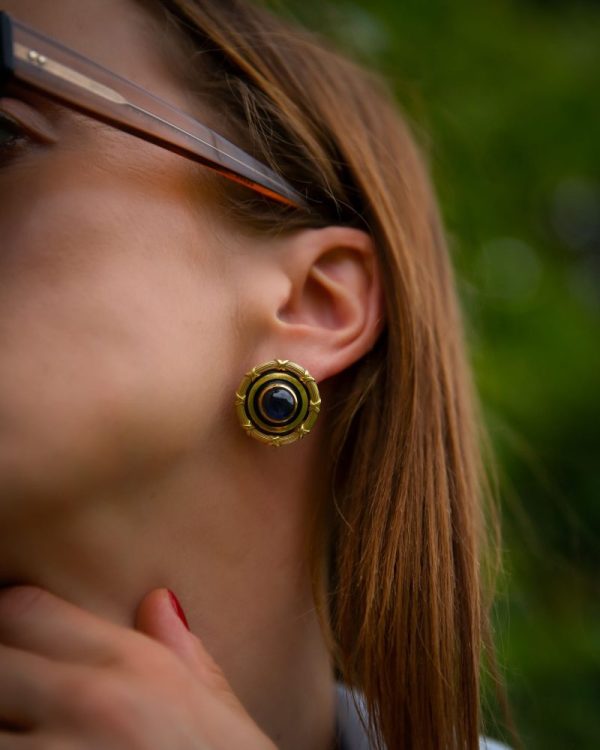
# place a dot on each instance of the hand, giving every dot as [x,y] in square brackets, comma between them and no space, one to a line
[69,679]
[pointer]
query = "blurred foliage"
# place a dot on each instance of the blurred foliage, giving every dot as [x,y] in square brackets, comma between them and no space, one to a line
[508,94]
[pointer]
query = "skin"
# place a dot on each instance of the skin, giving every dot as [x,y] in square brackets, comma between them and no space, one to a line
[71,679]
[129,312]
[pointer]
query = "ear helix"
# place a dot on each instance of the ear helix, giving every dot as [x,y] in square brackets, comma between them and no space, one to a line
[278,402]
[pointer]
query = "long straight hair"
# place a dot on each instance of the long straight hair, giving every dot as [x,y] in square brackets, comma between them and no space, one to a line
[405,606]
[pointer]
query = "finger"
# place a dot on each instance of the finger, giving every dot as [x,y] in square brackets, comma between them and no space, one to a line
[26,688]
[160,616]
[14,741]
[34,620]
[11,741]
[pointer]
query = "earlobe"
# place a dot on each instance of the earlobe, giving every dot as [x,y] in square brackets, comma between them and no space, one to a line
[334,312]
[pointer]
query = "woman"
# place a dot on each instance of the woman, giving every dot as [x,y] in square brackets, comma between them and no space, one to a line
[147,267]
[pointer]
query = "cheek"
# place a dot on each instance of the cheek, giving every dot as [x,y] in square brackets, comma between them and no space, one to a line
[114,328]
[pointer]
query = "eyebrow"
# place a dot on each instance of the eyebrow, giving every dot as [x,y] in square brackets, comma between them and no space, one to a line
[32,59]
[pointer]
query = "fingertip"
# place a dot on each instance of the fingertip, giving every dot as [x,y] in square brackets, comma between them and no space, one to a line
[161,616]
[158,617]
[155,605]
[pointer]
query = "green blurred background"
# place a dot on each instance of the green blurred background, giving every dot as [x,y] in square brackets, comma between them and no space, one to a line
[506,94]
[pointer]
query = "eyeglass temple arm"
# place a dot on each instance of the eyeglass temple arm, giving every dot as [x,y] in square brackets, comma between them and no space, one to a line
[63,74]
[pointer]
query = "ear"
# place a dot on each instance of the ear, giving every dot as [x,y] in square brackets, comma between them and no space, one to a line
[333,310]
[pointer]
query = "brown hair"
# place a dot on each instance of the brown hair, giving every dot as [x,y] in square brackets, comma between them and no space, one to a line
[404,541]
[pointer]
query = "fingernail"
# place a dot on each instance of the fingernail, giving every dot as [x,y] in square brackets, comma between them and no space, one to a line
[178,608]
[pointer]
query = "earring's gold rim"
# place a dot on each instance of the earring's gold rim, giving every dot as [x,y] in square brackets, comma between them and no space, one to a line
[268,434]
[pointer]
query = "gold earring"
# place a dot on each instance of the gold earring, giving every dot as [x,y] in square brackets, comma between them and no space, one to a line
[278,402]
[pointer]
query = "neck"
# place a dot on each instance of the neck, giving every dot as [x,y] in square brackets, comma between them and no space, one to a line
[237,563]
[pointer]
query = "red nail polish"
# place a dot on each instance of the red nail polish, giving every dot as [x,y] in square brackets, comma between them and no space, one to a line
[178,608]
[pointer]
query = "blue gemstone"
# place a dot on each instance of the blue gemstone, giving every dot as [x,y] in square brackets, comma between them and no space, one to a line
[278,404]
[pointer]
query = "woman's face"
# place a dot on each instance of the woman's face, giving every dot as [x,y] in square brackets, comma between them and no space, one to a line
[117,295]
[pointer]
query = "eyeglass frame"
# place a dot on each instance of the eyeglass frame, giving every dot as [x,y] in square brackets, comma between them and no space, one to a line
[31,59]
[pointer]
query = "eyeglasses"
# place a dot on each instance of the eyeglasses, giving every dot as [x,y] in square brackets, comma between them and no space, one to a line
[31,59]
